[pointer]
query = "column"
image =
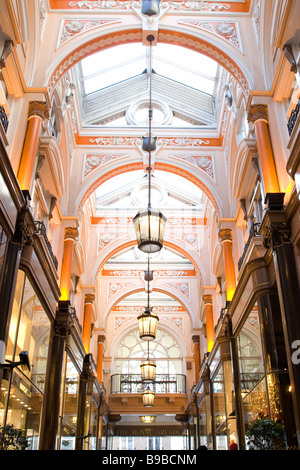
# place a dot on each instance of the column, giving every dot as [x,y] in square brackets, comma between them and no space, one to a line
[209,408]
[71,234]
[238,412]
[223,340]
[258,115]
[85,377]
[196,341]
[60,330]
[24,230]
[277,232]
[87,321]
[101,341]
[38,112]
[225,235]
[210,331]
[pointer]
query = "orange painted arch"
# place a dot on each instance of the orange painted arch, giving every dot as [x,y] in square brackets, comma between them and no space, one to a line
[159,166]
[131,243]
[140,289]
[135,35]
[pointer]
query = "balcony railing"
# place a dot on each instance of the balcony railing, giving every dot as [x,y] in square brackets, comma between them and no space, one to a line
[3,118]
[41,230]
[253,232]
[293,118]
[164,383]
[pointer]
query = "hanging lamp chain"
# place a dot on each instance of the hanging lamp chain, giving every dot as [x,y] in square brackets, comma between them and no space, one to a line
[150,39]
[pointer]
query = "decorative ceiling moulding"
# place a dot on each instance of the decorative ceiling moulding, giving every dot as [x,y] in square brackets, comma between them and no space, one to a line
[140,273]
[73,27]
[162,309]
[225,30]
[170,37]
[208,7]
[120,321]
[163,142]
[204,163]
[125,220]
[93,162]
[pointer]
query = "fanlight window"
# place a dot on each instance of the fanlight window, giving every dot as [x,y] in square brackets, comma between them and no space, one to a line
[164,350]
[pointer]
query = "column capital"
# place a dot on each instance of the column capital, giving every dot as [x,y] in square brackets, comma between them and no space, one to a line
[275,229]
[71,232]
[38,108]
[225,234]
[207,299]
[89,298]
[258,112]
[64,319]
[196,339]
[101,338]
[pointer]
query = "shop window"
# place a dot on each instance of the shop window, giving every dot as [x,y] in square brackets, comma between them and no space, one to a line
[220,410]
[22,389]
[250,352]
[68,414]
[3,242]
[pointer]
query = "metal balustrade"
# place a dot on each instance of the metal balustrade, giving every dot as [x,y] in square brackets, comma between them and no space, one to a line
[3,118]
[132,383]
[293,118]
[253,232]
[41,230]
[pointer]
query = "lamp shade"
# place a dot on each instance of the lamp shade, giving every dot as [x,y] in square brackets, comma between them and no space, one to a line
[149,144]
[148,322]
[150,7]
[148,397]
[148,371]
[147,419]
[150,229]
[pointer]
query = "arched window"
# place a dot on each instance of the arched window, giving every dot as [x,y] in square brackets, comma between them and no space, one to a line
[164,350]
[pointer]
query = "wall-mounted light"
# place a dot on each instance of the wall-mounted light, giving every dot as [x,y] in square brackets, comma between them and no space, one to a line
[24,361]
[147,419]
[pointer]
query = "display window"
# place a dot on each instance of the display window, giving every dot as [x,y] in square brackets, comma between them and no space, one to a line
[69,402]
[3,244]
[22,387]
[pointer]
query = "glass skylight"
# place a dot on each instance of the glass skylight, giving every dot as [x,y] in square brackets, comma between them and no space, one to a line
[130,190]
[119,63]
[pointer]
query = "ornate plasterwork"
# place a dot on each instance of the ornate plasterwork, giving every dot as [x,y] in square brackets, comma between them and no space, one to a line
[182,287]
[186,142]
[229,31]
[196,6]
[119,321]
[106,238]
[204,163]
[114,141]
[96,161]
[140,273]
[72,27]
[115,287]
[181,221]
